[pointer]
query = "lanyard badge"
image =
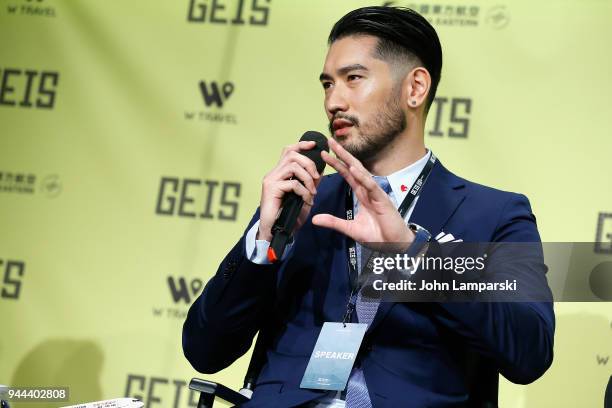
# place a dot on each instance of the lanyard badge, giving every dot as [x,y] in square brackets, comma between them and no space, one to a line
[333,357]
[337,346]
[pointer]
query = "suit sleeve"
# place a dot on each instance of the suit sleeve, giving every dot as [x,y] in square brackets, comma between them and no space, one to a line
[517,335]
[224,319]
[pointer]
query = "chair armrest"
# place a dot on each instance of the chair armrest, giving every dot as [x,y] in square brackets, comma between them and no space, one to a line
[218,390]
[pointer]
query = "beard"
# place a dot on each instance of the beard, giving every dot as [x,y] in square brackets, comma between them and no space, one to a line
[372,137]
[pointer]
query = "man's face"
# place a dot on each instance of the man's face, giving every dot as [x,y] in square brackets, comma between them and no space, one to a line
[362,100]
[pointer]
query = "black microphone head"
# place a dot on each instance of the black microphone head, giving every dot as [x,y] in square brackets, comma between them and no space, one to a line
[314,154]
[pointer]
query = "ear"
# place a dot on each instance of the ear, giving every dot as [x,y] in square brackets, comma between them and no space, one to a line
[417,87]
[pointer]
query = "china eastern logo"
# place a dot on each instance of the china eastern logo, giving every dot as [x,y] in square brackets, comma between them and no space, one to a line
[215,96]
[497,17]
[26,183]
[461,15]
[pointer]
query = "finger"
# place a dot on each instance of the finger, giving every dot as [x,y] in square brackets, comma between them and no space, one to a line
[302,160]
[296,147]
[295,186]
[368,183]
[343,155]
[356,184]
[335,223]
[350,161]
[296,171]
[335,163]
[341,168]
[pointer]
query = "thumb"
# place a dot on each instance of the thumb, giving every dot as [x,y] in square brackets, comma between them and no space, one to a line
[329,221]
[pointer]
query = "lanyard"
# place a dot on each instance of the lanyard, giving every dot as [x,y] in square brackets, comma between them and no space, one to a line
[413,193]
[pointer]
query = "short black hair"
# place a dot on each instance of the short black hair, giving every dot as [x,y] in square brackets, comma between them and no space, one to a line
[401,32]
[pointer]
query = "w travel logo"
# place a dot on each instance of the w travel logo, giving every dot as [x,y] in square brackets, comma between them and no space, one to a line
[31,8]
[215,95]
[183,292]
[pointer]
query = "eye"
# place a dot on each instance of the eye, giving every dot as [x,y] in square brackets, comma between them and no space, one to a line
[353,77]
[326,84]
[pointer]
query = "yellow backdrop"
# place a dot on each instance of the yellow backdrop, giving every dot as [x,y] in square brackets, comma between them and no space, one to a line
[134,136]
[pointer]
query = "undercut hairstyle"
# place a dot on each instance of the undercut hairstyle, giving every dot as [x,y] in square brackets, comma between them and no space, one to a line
[404,37]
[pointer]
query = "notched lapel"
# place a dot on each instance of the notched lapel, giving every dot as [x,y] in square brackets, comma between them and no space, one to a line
[441,196]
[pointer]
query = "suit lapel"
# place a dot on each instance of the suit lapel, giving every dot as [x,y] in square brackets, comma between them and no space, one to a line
[441,196]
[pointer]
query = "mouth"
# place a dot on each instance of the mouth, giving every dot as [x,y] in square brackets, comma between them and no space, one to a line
[341,127]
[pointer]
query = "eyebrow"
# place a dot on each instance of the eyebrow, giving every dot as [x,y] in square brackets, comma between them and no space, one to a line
[343,71]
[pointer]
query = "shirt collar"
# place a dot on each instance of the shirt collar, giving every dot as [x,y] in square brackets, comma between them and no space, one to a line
[402,180]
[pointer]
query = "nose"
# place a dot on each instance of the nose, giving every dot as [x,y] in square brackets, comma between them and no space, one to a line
[335,101]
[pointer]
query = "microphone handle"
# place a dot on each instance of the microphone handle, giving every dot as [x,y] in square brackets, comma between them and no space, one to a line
[283,226]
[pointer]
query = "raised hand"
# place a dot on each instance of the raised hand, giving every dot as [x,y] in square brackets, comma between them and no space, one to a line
[377,220]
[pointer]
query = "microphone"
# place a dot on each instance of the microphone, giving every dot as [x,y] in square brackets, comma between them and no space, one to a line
[282,229]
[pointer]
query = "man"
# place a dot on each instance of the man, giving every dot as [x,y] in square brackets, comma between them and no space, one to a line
[379,78]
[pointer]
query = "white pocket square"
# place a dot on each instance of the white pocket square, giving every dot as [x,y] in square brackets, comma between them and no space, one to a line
[443,237]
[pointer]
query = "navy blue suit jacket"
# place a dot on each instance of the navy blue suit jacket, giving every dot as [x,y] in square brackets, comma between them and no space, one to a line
[414,354]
